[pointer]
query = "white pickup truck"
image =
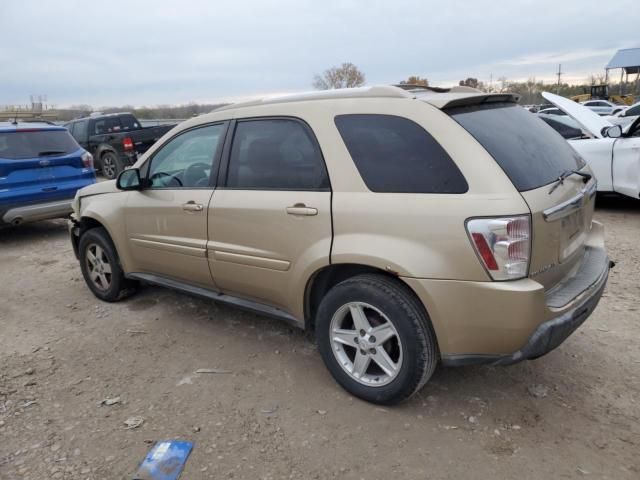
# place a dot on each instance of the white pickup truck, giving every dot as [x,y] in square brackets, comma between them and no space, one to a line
[612,153]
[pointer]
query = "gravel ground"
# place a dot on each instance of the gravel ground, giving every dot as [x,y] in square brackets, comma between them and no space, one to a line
[574,413]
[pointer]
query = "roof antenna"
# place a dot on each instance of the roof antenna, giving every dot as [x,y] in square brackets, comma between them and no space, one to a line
[15,120]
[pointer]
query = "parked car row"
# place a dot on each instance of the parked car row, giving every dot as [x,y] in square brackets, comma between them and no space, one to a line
[612,152]
[41,169]
[43,165]
[115,140]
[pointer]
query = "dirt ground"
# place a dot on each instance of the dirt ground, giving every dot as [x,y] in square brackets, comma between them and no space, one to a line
[278,414]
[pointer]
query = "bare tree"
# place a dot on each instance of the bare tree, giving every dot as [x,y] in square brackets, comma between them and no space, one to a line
[345,76]
[415,80]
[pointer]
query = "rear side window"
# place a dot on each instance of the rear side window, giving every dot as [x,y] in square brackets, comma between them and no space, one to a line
[129,122]
[278,154]
[395,154]
[36,143]
[529,151]
[80,131]
[107,125]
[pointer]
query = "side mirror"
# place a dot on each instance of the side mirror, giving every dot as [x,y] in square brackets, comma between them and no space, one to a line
[129,180]
[613,132]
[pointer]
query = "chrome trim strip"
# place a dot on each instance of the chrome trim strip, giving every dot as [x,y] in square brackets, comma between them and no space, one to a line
[170,247]
[569,206]
[250,260]
[591,189]
[564,209]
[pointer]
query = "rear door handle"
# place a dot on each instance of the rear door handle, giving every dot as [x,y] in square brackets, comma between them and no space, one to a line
[302,209]
[192,207]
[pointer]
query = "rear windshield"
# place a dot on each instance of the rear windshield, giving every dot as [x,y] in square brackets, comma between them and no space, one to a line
[530,152]
[36,143]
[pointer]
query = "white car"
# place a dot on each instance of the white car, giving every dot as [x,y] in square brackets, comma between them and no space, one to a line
[603,107]
[626,116]
[612,154]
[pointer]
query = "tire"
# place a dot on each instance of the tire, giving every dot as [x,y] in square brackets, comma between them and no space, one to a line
[111,165]
[412,348]
[104,278]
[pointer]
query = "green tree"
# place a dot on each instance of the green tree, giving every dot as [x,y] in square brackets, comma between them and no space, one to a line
[345,76]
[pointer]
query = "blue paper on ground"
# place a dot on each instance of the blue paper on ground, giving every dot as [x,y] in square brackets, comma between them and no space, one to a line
[164,461]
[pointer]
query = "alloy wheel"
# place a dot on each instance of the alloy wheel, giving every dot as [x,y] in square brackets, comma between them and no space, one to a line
[98,266]
[366,344]
[108,166]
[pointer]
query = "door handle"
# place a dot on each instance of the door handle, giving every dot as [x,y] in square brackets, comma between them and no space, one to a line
[192,207]
[302,209]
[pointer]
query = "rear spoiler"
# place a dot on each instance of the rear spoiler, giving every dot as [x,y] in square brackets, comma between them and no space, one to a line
[457,98]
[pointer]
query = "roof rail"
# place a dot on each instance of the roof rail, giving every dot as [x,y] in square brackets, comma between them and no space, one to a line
[375,91]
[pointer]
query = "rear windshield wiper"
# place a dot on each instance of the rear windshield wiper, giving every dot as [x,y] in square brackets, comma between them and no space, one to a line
[567,173]
[51,152]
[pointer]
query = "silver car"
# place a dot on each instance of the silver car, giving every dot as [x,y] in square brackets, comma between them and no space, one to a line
[603,107]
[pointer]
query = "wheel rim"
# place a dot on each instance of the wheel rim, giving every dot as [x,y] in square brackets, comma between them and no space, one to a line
[366,344]
[108,166]
[98,266]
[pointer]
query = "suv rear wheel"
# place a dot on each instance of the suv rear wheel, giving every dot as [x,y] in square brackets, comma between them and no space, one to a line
[376,339]
[100,266]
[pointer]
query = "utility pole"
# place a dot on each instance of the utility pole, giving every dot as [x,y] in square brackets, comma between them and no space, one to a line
[559,75]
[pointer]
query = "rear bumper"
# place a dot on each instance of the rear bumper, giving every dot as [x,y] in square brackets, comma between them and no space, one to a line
[502,323]
[16,215]
[553,332]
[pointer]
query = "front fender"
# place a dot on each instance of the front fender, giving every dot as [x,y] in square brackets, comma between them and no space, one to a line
[107,210]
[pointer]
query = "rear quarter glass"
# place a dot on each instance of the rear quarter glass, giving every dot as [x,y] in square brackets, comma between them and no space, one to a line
[530,152]
[26,143]
[396,155]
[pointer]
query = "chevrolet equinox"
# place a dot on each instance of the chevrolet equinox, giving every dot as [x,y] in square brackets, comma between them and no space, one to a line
[405,227]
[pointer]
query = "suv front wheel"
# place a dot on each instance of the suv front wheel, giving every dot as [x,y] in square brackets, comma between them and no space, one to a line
[101,268]
[376,339]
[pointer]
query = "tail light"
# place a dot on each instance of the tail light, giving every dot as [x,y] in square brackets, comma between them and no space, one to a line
[503,244]
[127,144]
[87,160]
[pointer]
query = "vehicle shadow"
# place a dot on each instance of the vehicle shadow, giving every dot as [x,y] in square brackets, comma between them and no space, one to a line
[45,229]
[608,201]
[474,390]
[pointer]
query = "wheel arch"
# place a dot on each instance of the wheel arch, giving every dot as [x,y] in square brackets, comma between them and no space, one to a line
[101,150]
[327,277]
[88,222]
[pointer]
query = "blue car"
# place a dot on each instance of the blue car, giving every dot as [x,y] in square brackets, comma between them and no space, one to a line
[41,168]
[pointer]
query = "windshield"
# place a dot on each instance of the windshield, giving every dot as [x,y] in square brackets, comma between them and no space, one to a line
[529,151]
[22,144]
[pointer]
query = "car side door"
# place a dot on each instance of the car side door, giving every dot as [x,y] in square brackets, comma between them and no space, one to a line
[166,221]
[270,217]
[626,162]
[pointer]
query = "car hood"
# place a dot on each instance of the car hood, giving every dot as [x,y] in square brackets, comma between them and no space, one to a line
[587,118]
[99,188]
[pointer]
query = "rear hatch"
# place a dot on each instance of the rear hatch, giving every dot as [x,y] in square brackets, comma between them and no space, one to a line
[534,156]
[41,164]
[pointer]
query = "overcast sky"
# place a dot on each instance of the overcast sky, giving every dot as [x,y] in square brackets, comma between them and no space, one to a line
[171,52]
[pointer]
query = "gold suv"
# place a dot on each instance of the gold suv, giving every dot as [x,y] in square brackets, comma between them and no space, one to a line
[404,227]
